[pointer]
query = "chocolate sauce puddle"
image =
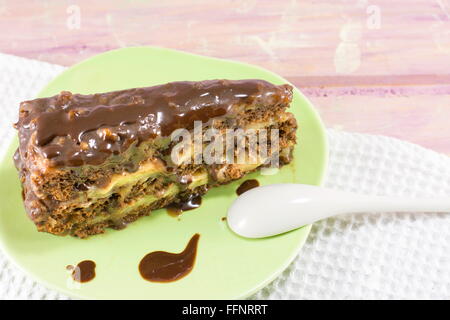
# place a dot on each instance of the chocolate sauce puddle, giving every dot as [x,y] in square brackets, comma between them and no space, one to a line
[161,266]
[247,185]
[83,272]
[175,209]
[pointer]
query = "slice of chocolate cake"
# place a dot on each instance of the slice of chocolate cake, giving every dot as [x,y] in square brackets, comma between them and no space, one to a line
[89,162]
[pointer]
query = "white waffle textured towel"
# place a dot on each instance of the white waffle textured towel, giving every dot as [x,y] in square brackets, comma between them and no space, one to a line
[381,256]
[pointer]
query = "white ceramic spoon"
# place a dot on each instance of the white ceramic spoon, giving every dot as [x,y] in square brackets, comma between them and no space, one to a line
[274,209]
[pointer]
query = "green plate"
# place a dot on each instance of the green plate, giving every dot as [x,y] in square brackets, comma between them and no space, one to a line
[227,266]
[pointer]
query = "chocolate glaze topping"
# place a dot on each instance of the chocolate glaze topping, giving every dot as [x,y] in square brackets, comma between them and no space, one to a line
[74,129]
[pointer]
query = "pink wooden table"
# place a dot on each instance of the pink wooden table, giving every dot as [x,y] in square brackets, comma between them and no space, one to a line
[370,66]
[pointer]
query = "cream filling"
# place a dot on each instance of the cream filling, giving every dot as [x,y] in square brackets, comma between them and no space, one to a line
[123,183]
[155,166]
[146,170]
[146,200]
[142,201]
[197,180]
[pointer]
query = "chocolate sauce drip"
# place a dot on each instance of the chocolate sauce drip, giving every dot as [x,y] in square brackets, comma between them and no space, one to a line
[177,208]
[247,185]
[161,266]
[83,272]
[74,129]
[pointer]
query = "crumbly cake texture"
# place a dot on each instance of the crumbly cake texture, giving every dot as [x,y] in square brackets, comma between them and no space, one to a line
[90,162]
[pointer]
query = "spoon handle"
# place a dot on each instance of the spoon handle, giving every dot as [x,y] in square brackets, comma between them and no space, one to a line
[393,204]
[274,209]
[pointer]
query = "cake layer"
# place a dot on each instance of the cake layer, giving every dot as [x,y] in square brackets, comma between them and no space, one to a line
[109,161]
[152,182]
